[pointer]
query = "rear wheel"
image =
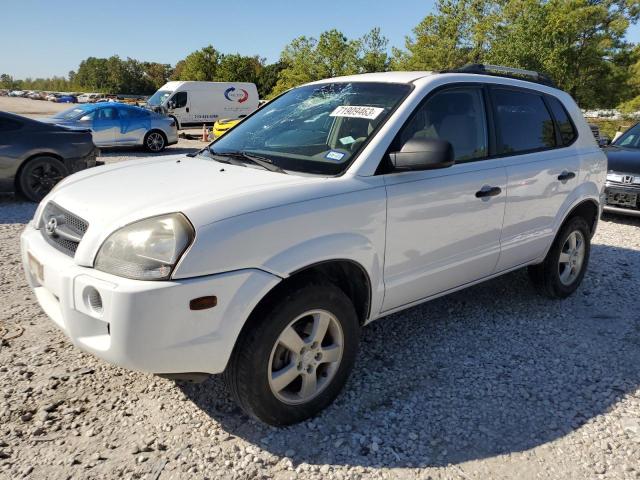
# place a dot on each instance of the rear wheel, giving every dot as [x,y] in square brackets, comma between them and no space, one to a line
[155,141]
[39,175]
[298,356]
[565,265]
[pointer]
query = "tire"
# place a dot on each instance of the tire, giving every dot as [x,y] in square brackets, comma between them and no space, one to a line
[39,175]
[155,141]
[255,371]
[559,279]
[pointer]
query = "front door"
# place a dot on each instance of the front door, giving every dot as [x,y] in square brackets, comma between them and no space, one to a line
[444,225]
[179,107]
[106,126]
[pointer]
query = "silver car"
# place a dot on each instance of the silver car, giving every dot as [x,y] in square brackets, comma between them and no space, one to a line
[117,124]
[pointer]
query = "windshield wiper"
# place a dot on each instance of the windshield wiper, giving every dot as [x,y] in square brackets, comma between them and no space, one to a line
[264,162]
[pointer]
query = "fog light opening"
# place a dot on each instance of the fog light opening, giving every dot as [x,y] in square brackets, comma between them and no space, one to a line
[93,300]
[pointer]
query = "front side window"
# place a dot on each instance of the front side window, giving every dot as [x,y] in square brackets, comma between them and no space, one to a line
[315,128]
[455,115]
[107,114]
[630,138]
[523,122]
[179,100]
[567,130]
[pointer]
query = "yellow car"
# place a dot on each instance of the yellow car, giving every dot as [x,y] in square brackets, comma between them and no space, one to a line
[223,126]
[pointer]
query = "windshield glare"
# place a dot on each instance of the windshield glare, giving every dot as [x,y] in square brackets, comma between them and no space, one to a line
[72,113]
[630,138]
[315,128]
[159,97]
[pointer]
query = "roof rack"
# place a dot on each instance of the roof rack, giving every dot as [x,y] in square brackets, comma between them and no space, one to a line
[507,72]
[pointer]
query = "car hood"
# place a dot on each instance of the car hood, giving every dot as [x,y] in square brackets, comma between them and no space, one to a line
[623,160]
[206,191]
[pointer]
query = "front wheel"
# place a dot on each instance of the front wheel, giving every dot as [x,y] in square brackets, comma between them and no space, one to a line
[297,357]
[155,141]
[563,269]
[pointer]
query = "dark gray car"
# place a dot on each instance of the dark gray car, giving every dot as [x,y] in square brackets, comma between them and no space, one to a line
[623,175]
[35,156]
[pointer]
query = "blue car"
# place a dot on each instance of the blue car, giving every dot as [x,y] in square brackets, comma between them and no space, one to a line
[67,99]
[118,124]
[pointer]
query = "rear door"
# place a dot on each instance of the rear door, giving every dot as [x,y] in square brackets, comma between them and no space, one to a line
[443,230]
[542,169]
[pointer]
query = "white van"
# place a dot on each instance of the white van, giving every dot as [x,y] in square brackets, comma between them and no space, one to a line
[195,103]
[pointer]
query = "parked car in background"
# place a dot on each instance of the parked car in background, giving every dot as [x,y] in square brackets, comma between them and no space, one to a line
[117,124]
[336,204]
[90,97]
[34,156]
[52,97]
[622,189]
[198,103]
[17,93]
[223,126]
[65,98]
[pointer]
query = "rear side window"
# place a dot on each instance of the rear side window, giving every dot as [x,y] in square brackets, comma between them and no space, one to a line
[523,122]
[567,130]
[7,125]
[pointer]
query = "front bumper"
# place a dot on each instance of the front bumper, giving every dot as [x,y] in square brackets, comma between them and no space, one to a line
[142,325]
[614,188]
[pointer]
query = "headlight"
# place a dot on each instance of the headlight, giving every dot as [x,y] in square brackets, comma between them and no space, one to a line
[146,250]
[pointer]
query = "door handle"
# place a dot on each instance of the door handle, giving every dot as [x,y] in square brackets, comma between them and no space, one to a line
[488,191]
[564,176]
[187,109]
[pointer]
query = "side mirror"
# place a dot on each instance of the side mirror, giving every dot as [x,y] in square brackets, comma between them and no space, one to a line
[171,104]
[85,118]
[423,154]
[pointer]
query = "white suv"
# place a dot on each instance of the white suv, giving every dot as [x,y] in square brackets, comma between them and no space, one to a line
[337,203]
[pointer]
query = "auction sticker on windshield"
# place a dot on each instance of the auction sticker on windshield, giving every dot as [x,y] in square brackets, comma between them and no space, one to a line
[357,111]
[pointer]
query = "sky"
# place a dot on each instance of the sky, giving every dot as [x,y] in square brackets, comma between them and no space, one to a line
[42,38]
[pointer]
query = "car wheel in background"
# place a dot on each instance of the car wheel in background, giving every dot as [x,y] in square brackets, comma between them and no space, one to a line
[296,358]
[39,175]
[155,141]
[566,263]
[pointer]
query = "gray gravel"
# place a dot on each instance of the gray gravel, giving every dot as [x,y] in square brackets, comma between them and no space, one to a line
[491,382]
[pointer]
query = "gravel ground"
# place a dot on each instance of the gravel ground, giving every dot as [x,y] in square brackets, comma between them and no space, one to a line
[490,382]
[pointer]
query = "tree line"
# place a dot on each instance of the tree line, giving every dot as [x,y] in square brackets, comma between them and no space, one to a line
[579,43]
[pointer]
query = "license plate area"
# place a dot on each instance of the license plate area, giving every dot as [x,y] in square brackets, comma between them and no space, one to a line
[622,199]
[36,269]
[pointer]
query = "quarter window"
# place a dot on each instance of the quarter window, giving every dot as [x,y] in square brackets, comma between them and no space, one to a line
[457,116]
[567,131]
[523,122]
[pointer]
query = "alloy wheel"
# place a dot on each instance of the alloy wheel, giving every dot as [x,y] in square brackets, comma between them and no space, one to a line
[305,357]
[155,141]
[571,257]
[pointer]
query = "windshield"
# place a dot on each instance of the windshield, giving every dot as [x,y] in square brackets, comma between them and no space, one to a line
[72,113]
[159,97]
[630,138]
[315,128]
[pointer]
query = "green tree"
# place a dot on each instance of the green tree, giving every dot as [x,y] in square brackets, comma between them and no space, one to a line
[373,56]
[6,81]
[239,68]
[200,65]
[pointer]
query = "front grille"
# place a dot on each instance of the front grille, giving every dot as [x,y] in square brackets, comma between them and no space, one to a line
[62,229]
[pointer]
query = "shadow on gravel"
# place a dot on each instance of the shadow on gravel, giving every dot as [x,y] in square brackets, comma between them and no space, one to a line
[14,209]
[624,219]
[486,371]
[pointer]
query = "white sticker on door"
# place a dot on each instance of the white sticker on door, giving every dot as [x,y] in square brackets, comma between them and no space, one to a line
[357,111]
